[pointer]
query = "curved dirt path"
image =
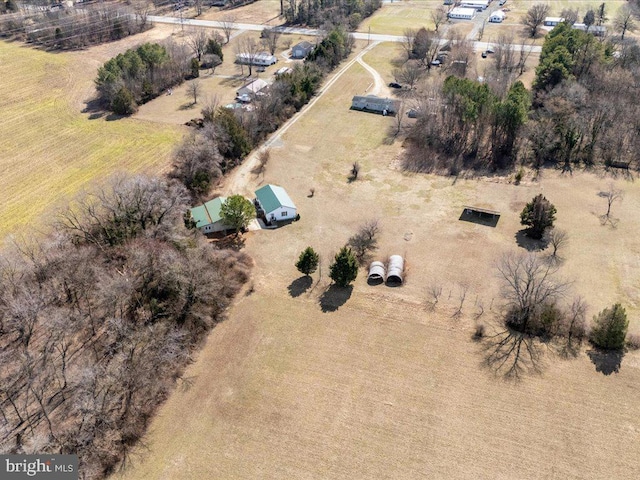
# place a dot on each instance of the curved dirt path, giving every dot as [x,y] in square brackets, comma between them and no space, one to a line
[379,86]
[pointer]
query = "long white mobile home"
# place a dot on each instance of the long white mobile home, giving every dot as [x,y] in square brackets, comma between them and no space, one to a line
[263,59]
[460,13]
[479,5]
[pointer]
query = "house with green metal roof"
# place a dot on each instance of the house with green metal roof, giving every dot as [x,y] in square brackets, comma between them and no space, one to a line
[207,217]
[275,204]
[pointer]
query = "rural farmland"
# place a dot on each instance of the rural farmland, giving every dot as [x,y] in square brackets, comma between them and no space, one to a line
[302,382]
[158,351]
[56,150]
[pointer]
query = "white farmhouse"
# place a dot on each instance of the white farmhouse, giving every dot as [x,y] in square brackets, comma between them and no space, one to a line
[274,204]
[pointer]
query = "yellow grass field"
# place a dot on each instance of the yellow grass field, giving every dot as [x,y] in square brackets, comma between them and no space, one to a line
[49,150]
[265,12]
[305,382]
[394,18]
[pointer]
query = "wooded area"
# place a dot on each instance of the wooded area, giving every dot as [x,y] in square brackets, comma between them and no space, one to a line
[316,13]
[582,109]
[141,74]
[98,319]
[66,28]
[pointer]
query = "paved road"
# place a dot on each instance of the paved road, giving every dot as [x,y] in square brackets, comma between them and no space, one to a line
[373,37]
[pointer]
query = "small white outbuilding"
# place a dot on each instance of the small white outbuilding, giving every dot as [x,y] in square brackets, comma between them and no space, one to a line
[497,17]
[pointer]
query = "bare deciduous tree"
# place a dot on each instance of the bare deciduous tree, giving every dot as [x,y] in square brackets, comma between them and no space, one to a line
[528,286]
[198,4]
[408,38]
[194,89]
[408,74]
[197,41]
[525,52]
[610,195]
[263,159]
[270,38]
[228,23]
[535,17]
[575,326]
[464,288]
[439,16]
[249,49]
[624,21]
[570,15]
[557,239]
[399,119]
[365,241]
[434,291]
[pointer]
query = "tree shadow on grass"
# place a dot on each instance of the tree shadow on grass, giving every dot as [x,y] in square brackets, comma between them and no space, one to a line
[606,362]
[528,243]
[334,297]
[232,242]
[299,286]
[511,354]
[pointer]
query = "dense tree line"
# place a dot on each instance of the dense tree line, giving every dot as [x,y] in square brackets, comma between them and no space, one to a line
[229,135]
[315,13]
[471,126]
[582,110]
[98,320]
[141,74]
[67,28]
[585,109]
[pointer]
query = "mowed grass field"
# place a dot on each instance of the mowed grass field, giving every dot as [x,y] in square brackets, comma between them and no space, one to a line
[394,18]
[304,382]
[49,150]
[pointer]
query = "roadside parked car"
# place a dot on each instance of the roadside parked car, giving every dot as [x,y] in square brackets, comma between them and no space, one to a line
[395,85]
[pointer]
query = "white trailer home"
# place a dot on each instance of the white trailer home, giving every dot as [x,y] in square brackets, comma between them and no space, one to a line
[460,13]
[479,5]
[552,21]
[371,103]
[263,59]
